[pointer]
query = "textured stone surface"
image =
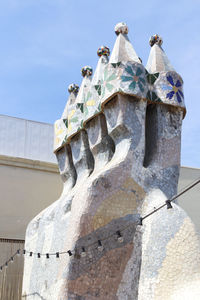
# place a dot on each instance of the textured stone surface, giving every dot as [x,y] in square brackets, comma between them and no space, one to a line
[172,271]
[122,164]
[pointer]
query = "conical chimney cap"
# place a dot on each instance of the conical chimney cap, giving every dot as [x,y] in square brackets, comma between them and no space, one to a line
[73,91]
[103,52]
[158,60]
[86,83]
[123,49]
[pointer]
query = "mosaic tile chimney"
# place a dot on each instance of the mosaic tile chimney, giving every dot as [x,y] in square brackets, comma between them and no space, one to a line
[118,146]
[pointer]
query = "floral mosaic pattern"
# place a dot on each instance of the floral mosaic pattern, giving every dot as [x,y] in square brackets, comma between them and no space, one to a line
[106,84]
[71,118]
[169,88]
[64,140]
[151,94]
[60,131]
[108,81]
[90,106]
[74,121]
[98,88]
[88,101]
[130,78]
[174,89]
[135,76]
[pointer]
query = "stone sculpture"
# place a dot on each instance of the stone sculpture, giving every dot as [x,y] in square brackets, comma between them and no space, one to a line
[118,149]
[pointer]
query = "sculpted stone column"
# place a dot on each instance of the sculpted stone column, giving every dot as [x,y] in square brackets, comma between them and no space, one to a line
[101,144]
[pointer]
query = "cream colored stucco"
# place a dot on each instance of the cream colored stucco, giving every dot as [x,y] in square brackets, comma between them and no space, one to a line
[27,187]
[190,201]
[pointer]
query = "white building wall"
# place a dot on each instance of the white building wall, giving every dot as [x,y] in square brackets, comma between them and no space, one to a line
[26,139]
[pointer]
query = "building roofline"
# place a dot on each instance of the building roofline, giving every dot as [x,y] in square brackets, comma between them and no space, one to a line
[2,115]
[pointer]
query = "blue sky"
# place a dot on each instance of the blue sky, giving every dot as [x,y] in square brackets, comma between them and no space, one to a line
[44,44]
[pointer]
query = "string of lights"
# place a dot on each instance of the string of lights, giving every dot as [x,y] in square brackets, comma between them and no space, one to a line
[168,202]
[99,242]
[11,259]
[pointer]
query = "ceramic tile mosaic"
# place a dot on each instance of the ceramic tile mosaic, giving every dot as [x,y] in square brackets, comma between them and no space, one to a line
[169,88]
[124,73]
[118,161]
[128,78]
[73,91]
[60,133]
[75,119]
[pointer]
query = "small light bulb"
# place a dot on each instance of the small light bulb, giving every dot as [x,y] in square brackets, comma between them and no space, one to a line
[11,259]
[69,252]
[18,252]
[168,203]
[140,222]
[57,254]
[119,237]
[83,253]
[100,246]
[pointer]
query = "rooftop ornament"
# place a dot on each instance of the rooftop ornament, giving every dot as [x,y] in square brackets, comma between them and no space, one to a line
[121,28]
[103,50]
[165,84]
[73,88]
[155,39]
[123,73]
[86,71]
